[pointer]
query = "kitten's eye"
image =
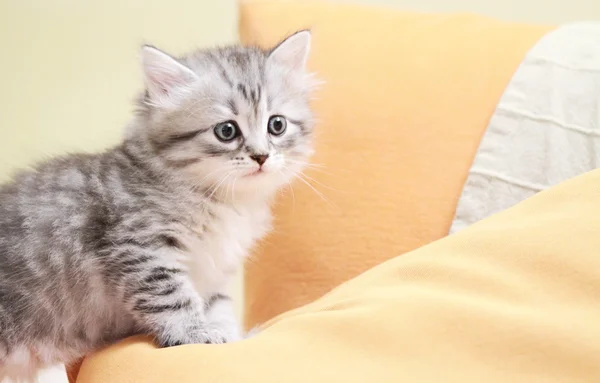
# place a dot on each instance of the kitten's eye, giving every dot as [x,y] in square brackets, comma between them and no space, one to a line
[277,125]
[227,131]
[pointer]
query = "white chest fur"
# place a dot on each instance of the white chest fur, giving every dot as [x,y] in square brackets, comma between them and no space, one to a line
[223,239]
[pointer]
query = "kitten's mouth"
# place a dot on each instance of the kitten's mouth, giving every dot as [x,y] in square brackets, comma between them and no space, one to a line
[255,172]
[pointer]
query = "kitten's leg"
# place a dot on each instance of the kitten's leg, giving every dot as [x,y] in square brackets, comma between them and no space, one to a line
[163,301]
[220,314]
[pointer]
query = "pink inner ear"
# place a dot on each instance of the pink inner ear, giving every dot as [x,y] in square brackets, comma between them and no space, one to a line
[163,82]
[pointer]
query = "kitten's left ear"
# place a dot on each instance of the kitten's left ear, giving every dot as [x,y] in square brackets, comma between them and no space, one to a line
[165,77]
[293,51]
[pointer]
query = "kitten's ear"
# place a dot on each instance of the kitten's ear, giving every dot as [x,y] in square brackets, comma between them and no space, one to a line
[165,77]
[293,51]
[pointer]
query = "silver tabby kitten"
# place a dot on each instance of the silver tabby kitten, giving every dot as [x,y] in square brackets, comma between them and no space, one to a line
[145,237]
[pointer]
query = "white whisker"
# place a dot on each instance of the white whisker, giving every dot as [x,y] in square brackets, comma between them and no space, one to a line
[216,186]
[300,177]
[312,166]
[289,184]
[321,184]
[233,188]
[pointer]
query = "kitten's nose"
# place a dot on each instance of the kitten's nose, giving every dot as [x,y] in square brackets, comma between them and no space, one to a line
[259,158]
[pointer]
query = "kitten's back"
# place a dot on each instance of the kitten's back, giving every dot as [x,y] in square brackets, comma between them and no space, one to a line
[53,307]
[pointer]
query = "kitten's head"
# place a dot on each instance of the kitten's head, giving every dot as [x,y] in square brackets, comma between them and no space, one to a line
[234,119]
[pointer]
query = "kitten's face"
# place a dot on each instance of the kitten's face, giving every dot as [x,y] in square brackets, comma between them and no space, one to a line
[236,121]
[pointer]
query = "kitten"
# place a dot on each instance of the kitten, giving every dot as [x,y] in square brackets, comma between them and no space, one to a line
[145,237]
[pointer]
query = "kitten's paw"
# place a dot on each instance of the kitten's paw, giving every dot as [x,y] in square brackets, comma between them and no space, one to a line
[217,334]
[164,343]
[207,334]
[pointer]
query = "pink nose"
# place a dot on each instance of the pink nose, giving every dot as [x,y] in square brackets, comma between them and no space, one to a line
[260,158]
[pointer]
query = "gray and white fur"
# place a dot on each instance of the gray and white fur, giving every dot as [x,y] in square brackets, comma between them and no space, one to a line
[145,237]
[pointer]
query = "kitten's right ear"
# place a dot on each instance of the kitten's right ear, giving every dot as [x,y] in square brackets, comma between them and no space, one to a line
[293,51]
[165,77]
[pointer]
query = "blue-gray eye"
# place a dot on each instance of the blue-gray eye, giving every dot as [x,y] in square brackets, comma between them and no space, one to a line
[277,125]
[227,131]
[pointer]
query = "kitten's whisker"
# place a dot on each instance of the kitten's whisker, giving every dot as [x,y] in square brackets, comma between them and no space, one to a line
[227,185]
[314,180]
[306,163]
[216,188]
[316,167]
[220,169]
[199,184]
[233,188]
[289,184]
[321,170]
[321,184]
[209,191]
[293,195]
[232,185]
[300,177]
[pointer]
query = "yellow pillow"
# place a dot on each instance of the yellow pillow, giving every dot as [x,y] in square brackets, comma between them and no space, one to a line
[514,298]
[405,101]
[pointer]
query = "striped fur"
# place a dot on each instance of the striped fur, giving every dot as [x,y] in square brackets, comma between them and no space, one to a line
[145,237]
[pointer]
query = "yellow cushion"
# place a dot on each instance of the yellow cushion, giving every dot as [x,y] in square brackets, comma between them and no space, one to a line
[513,298]
[405,101]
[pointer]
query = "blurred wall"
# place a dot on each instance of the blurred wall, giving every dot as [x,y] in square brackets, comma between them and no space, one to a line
[533,11]
[69,69]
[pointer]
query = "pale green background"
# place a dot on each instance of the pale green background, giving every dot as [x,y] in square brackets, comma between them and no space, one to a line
[69,68]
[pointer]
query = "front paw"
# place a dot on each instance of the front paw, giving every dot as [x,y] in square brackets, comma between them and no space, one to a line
[217,333]
[206,334]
